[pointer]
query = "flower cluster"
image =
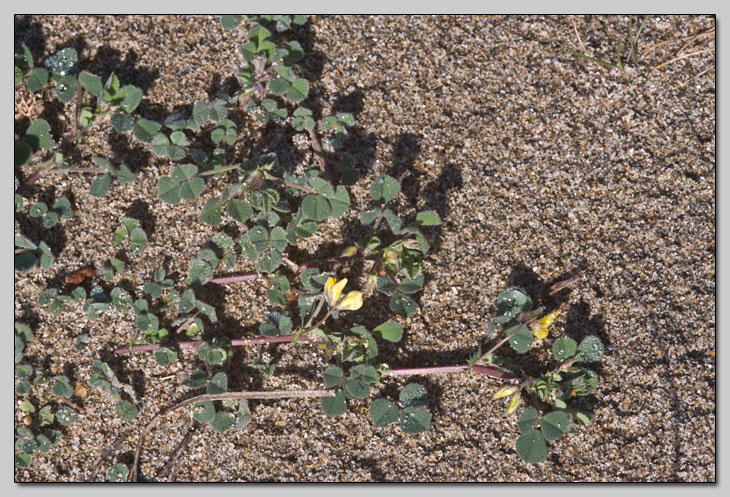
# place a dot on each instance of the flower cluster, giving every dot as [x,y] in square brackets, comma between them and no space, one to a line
[540,327]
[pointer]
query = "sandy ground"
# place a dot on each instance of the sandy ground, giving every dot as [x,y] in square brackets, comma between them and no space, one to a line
[538,162]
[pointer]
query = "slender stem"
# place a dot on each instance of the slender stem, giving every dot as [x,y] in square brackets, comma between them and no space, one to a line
[175,455]
[236,278]
[273,394]
[114,446]
[194,344]
[78,170]
[45,168]
[319,153]
[220,170]
[494,373]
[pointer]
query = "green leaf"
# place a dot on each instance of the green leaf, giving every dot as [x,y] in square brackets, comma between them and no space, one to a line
[132,99]
[393,221]
[269,262]
[168,190]
[100,186]
[122,122]
[222,421]
[279,86]
[63,62]
[390,331]
[23,56]
[65,416]
[78,294]
[207,310]
[217,110]
[37,79]
[384,189]
[316,207]
[137,240]
[296,53]
[126,410]
[225,130]
[333,376]
[160,144]
[414,420]
[527,420]
[334,406]
[23,330]
[91,83]
[117,473]
[428,218]
[196,379]
[298,91]
[513,301]
[45,256]
[383,412]
[285,72]
[230,21]
[165,356]
[564,348]
[187,301]
[403,305]
[218,384]
[211,213]
[146,130]
[258,34]
[19,346]
[37,135]
[590,349]
[413,395]
[358,383]
[66,88]
[23,153]
[239,210]
[62,388]
[554,425]
[22,460]
[521,340]
[339,202]
[200,114]
[243,416]
[411,285]
[531,447]
[204,411]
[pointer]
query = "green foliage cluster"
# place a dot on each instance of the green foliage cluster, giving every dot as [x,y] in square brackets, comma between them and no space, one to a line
[554,389]
[273,207]
[42,423]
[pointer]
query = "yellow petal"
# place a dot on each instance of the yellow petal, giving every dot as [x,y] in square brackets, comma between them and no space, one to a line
[336,290]
[504,391]
[549,319]
[514,403]
[328,285]
[540,332]
[351,302]
[349,252]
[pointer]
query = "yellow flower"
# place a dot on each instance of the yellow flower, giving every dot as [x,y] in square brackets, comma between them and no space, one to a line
[540,327]
[333,289]
[351,302]
[514,403]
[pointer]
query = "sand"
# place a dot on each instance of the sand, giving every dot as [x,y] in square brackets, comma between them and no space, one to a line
[538,162]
